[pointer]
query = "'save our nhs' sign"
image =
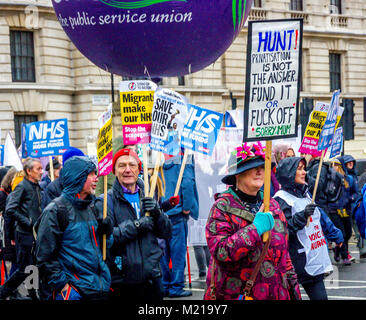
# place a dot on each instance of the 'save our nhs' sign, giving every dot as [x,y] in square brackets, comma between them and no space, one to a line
[201,129]
[45,138]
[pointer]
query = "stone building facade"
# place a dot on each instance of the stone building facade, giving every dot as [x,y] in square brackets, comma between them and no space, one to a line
[65,84]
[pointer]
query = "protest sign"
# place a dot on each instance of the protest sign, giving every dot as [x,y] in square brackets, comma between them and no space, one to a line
[104,145]
[11,156]
[45,138]
[201,129]
[327,132]
[272,88]
[1,155]
[309,144]
[272,79]
[337,143]
[136,98]
[168,118]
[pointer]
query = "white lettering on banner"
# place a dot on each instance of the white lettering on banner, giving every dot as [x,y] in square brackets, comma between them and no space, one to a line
[55,131]
[201,120]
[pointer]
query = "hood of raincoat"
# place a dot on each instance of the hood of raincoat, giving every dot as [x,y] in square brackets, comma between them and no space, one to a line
[348,158]
[74,175]
[286,173]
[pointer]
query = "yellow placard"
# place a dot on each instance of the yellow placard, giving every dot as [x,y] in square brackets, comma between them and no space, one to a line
[136,107]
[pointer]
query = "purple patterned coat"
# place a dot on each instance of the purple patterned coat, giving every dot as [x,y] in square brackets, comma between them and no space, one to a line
[236,246]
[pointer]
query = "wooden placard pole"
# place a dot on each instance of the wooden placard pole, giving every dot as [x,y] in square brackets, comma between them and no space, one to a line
[146,173]
[155,175]
[181,171]
[267,182]
[105,184]
[51,168]
[317,182]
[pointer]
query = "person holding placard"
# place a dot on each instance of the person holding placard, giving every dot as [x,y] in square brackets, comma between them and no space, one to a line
[137,223]
[242,266]
[307,245]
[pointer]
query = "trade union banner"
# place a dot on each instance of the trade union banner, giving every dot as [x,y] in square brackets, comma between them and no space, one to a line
[272,87]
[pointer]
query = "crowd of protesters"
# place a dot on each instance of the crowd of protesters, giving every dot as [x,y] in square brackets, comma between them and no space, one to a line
[55,222]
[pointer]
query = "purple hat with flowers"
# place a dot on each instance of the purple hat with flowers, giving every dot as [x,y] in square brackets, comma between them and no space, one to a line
[243,158]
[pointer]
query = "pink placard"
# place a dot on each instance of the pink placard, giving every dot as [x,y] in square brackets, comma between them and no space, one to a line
[105,166]
[137,133]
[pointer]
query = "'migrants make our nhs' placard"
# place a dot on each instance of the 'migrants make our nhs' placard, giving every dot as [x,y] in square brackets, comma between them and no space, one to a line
[273,79]
[45,138]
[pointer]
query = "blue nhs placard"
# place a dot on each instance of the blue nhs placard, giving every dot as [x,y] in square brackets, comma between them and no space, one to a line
[327,133]
[45,138]
[201,129]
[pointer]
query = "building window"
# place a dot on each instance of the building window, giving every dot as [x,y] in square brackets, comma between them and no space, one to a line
[296,5]
[22,56]
[335,6]
[335,71]
[18,121]
[257,4]
[181,81]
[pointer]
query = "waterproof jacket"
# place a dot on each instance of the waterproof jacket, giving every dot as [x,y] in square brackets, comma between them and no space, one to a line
[352,193]
[235,246]
[70,252]
[188,194]
[286,172]
[134,257]
[24,205]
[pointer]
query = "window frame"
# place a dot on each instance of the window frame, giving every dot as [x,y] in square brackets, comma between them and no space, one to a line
[335,4]
[335,71]
[22,56]
[19,119]
[297,5]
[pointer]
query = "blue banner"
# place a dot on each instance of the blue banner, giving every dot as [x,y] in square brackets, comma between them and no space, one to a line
[327,133]
[1,155]
[201,129]
[45,138]
[337,144]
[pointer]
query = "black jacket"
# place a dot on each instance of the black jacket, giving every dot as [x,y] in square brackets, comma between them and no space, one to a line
[52,191]
[24,205]
[139,252]
[312,171]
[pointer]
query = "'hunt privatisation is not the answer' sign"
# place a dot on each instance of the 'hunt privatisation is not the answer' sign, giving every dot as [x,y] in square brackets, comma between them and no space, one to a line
[273,79]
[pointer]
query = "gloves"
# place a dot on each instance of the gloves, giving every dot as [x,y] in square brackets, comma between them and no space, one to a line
[105,226]
[263,222]
[309,210]
[150,205]
[144,224]
[174,200]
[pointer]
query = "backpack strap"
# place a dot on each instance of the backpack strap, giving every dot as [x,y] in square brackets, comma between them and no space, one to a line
[62,213]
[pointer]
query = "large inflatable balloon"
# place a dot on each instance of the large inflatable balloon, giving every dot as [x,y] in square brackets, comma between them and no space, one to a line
[152,37]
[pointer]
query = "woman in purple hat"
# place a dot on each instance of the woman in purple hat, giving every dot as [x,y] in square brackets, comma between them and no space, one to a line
[234,232]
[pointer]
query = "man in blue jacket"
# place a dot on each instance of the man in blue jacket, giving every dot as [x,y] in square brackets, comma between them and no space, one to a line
[68,248]
[176,249]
